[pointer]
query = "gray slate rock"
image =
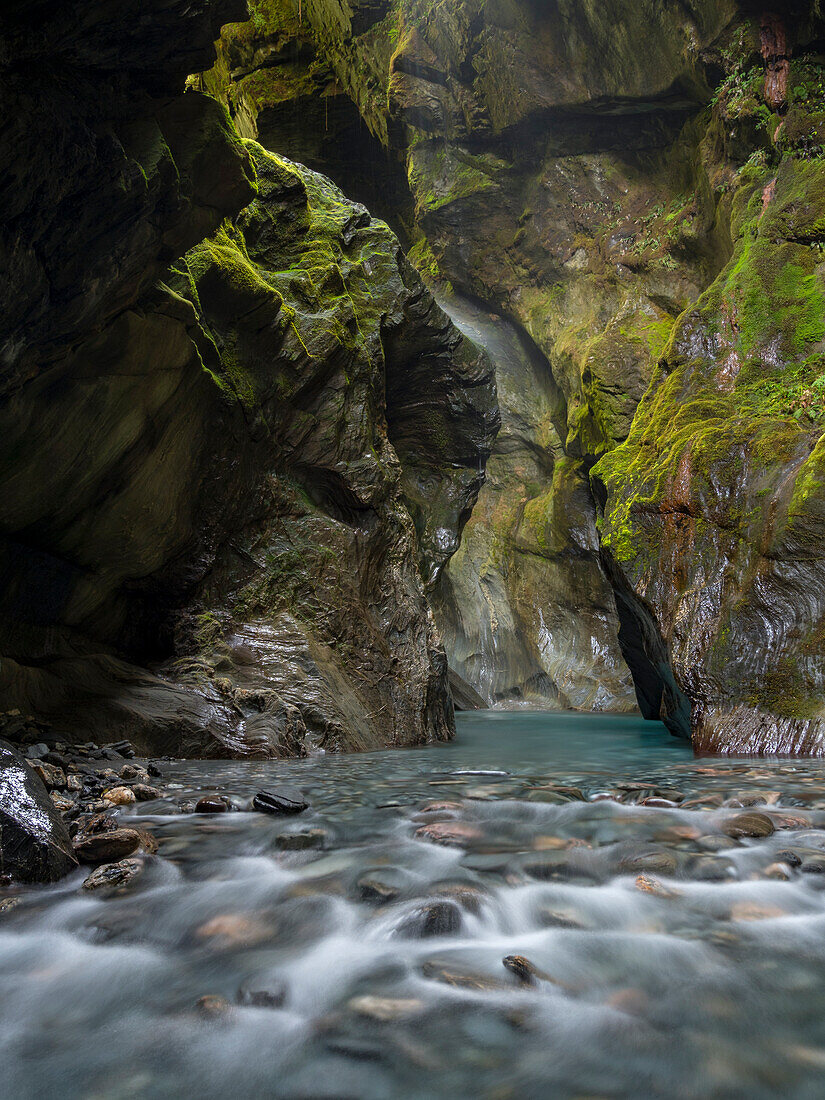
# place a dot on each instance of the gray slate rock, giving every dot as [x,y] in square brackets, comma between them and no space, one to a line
[281,800]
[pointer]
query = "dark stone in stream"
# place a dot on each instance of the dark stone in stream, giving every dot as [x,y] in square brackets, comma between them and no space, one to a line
[34,843]
[113,874]
[106,847]
[659,862]
[790,857]
[470,898]
[559,866]
[211,804]
[57,759]
[522,969]
[748,825]
[269,994]
[281,800]
[145,793]
[382,886]
[813,866]
[301,842]
[213,1007]
[438,918]
[711,869]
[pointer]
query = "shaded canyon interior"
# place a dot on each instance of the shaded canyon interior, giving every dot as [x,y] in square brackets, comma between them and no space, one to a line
[344,341]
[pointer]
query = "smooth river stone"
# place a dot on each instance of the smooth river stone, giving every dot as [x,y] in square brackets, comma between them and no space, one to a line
[748,825]
[280,800]
[113,874]
[106,847]
[439,918]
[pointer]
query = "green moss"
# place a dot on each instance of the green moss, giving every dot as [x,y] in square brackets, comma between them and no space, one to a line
[714,433]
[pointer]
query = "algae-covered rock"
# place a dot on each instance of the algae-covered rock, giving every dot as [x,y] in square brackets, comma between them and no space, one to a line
[230,473]
[539,144]
[713,506]
[524,608]
[107,170]
[640,189]
[229,466]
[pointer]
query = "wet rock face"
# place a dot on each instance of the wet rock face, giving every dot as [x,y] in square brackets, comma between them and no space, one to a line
[244,476]
[525,611]
[641,192]
[714,504]
[378,421]
[108,171]
[34,843]
[538,145]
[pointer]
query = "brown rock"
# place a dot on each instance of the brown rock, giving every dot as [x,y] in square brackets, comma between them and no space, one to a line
[145,793]
[213,1007]
[106,847]
[54,778]
[211,804]
[385,1008]
[234,930]
[147,841]
[748,825]
[113,874]
[134,772]
[650,885]
[119,796]
[448,832]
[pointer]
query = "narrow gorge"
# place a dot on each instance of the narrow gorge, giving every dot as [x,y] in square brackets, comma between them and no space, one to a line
[363,362]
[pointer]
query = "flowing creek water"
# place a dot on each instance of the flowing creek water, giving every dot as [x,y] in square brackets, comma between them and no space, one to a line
[666,957]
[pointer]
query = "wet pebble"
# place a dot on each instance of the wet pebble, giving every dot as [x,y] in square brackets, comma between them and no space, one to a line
[470,898]
[213,1007]
[280,800]
[458,977]
[119,796]
[711,869]
[560,918]
[385,1009]
[234,930]
[562,867]
[754,825]
[211,804]
[54,778]
[113,874]
[145,793]
[133,772]
[656,862]
[301,842]
[779,871]
[438,918]
[106,847]
[448,832]
[383,885]
[787,855]
[271,993]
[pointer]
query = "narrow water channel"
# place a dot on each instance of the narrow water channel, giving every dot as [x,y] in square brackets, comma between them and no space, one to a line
[655,945]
